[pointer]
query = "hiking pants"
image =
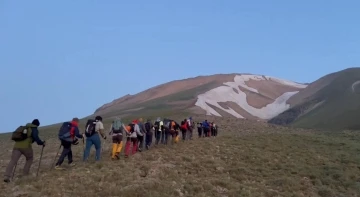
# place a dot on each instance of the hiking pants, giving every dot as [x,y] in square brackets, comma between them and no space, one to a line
[189,133]
[129,141]
[148,139]
[140,141]
[212,132]
[199,131]
[183,132]
[215,132]
[158,136]
[117,146]
[15,156]
[206,132]
[163,137]
[66,152]
[93,140]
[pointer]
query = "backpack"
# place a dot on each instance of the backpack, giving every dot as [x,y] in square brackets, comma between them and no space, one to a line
[90,128]
[117,126]
[157,125]
[20,134]
[147,126]
[132,127]
[167,123]
[64,131]
[184,125]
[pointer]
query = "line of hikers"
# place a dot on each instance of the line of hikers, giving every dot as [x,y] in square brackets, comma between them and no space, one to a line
[138,135]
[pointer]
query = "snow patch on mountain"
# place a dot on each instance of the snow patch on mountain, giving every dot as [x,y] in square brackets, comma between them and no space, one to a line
[226,93]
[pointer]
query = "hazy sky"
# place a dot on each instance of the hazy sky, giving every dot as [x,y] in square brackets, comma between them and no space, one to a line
[61,59]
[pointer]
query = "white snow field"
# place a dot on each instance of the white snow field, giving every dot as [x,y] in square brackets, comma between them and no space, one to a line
[354,85]
[226,93]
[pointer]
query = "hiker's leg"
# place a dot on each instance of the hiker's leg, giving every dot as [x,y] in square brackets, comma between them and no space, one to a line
[66,149]
[135,145]
[183,134]
[97,143]
[127,146]
[70,156]
[29,155]
[114,147]
[199,132]
[157,137]
[120,145]
[15,156]
[88,146]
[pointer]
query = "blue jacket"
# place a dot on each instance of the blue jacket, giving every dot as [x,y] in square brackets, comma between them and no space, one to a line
[35,136]
[206,125]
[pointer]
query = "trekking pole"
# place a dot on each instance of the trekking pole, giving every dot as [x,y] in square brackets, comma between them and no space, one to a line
[55,157]
[37,173]
[12,178]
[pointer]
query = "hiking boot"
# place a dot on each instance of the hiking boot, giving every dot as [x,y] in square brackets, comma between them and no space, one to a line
[71,164]
[58,168]
[7,180]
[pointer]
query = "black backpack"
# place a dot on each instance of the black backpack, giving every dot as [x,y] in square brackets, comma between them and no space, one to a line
[64,131]
[157,125]
[132,127]
[90,128]
[147,126]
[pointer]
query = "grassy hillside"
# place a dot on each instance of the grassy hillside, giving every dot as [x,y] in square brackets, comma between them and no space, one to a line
[255,159]
[164,106]
[335,106]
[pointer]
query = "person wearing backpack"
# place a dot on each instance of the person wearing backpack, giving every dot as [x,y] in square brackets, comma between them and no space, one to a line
[158,125]
[68,134]
[199,128]
[149,133]
[24,137]
[94,129]
[141,135]
[165,131]
[184,128]
[131,138]
[117,134]
[206,127]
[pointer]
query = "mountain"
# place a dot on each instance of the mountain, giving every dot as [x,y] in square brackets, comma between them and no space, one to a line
[247,96]
[331,102]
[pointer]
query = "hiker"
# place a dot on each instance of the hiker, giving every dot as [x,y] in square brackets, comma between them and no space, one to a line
[190,128]
[68,134]
[117,137]
[158,125]
[174,131]
[94,129]
[199,127]
[184,129]
[165,131]
[131,138]
[149,128]
[215,127]
[24,136]
[141,135]
[206,128]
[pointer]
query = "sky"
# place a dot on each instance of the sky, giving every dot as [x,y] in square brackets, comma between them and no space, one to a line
[61,59]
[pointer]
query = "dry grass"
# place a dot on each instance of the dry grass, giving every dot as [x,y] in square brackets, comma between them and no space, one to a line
[251,159]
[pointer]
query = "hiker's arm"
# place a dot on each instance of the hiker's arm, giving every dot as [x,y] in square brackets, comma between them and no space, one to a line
[77,133]
[137,129]
[35,136]
[111,129]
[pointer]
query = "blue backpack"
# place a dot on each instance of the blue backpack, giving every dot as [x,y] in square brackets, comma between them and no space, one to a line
[64,132]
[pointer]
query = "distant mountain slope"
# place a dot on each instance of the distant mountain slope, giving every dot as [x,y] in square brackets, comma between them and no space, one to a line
[240,95]
[332,102]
